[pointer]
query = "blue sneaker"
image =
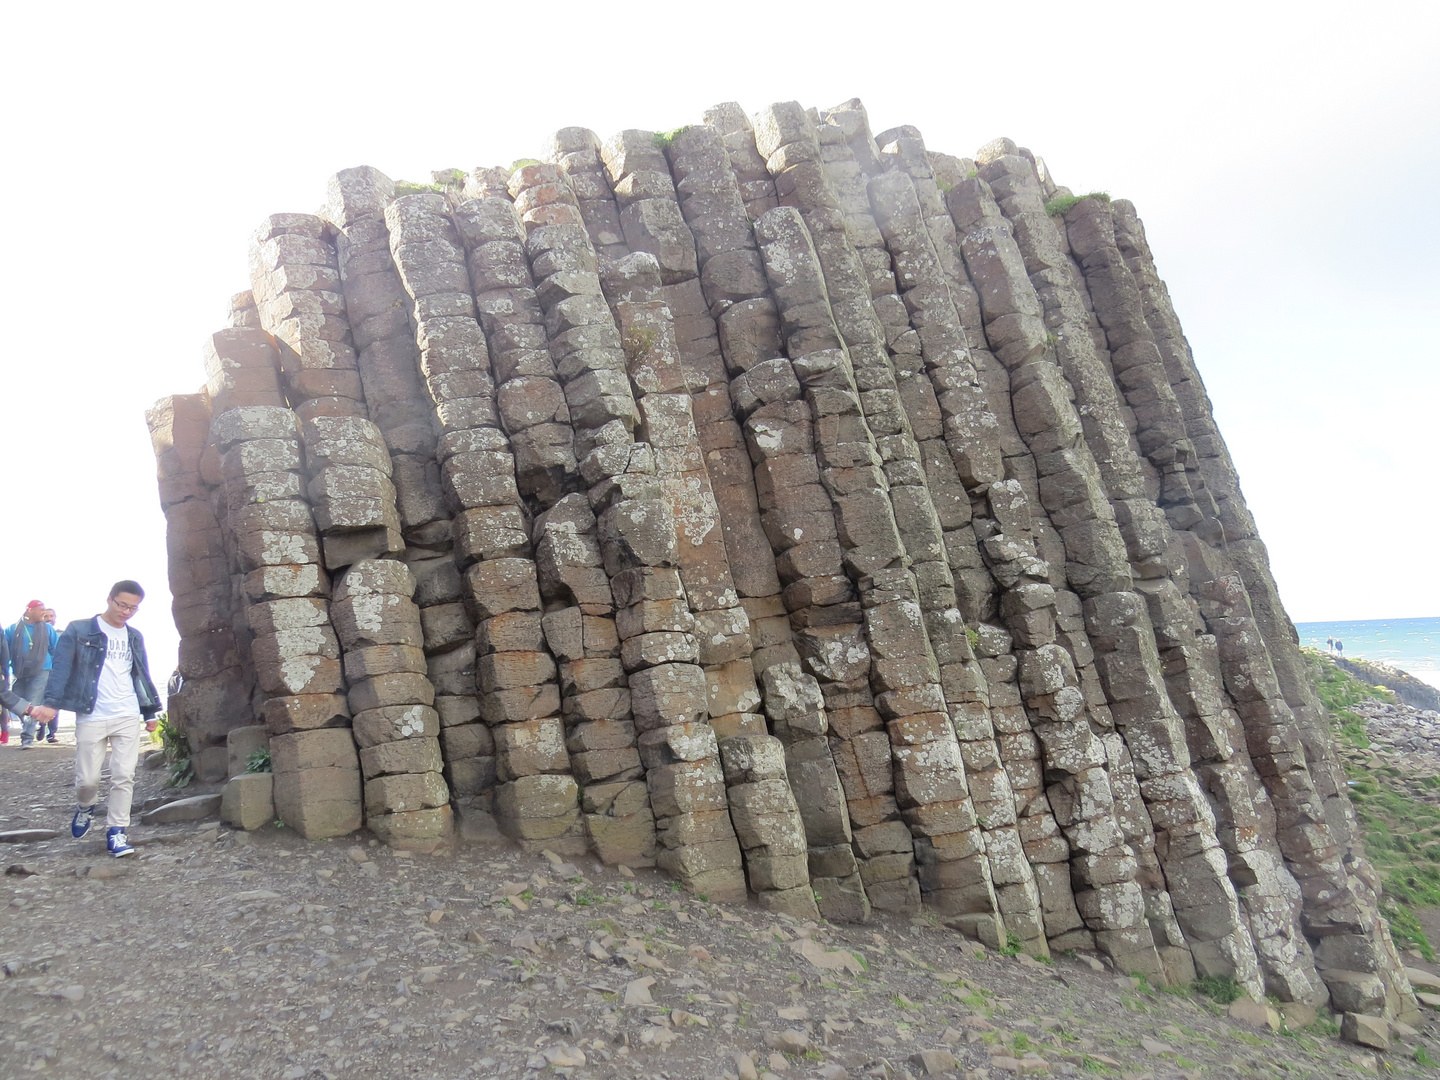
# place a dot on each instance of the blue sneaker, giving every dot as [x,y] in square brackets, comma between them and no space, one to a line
[80,823]
[117,843]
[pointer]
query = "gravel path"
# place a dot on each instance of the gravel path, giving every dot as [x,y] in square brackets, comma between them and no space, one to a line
[216,954]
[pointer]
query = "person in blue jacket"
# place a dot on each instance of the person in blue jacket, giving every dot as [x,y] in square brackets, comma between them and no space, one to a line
[32,643]
[9,699]
[101,674]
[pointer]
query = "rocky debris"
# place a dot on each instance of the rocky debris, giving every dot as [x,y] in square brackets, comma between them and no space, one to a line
[1403,737]
[195,808]
[27,836]
[502,963]
[786,505]
[1411,691]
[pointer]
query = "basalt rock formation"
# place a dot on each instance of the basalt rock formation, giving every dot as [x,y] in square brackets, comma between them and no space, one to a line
[811,514]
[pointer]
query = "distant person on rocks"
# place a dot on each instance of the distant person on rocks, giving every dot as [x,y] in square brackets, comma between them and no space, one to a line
[11,701]
[1340,647]
[32,643]
[101,674]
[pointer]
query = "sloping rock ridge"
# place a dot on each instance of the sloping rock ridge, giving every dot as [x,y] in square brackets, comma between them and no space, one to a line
[813,515]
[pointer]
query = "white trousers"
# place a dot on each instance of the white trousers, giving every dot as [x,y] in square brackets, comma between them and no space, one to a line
[123,736]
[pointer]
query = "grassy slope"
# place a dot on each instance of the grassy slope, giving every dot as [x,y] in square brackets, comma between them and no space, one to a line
[1401,832]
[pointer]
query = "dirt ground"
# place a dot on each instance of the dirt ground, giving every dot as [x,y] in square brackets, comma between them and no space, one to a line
[222,955]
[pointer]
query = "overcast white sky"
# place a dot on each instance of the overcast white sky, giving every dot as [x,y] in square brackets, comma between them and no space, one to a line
[1283,157]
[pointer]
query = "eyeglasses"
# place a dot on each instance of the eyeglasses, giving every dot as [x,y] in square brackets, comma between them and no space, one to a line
[128,609]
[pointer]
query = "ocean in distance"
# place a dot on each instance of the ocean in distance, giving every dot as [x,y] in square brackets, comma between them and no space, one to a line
[1412,645]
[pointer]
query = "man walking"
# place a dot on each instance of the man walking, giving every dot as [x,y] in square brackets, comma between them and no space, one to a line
[101,674]
[32,643]
[9,699]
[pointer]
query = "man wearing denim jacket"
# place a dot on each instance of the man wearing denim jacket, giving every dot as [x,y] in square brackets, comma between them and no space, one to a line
[101,674]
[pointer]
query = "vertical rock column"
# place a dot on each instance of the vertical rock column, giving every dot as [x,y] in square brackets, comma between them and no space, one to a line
[636,530]
[295,651]
[943,357]
[895,511]
[294,269]
[1138,369]
[1362,978]
[657,300]
[1006,582]
[579,629]
[407,803]
[1103,867]
[732,285]
[578,625]
[756,188]
[216,695]
[397,402]
[892,354]
[903,675]
[536,798]
[529,399]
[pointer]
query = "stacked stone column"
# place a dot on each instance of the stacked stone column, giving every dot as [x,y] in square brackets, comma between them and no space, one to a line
[296,654]
[732,286]
[756,188]
[380,314]
[671,340]
[217,692]
[1102,865]
[535,801]
[1000,790]
[892,391]
[636,530]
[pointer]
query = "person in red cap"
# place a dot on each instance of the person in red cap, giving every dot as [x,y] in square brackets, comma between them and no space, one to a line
[32,643]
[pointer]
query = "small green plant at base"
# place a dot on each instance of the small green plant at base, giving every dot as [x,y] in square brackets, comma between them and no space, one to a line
[1422,1057]
[1090,1065]
[1013,944]
[1062,204]
[258,761]
[175,748]
[1325,1026]
[1221,988]
[972,636]
[1021,1043]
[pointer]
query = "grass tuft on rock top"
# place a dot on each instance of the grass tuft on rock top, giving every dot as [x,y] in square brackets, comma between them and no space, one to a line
[410,187]
[663,139]
[1058,206]
[1401,833]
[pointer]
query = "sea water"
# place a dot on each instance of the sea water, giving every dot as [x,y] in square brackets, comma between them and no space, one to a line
[1412,645]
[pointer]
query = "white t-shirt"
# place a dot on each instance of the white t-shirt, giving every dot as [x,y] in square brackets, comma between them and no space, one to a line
[115,694]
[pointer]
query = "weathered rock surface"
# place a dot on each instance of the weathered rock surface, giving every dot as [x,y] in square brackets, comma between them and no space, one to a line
[782,504]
